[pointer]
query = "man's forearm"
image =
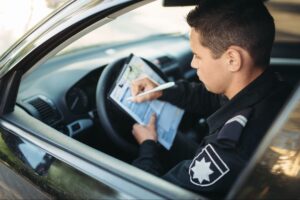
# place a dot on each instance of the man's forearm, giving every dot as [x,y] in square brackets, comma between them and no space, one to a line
[192,97]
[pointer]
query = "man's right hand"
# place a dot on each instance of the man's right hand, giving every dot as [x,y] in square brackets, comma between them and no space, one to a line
[142,85]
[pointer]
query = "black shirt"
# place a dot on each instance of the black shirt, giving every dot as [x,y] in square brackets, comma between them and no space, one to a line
[235,129]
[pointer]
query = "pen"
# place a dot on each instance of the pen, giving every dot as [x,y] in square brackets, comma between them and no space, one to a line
[158,88]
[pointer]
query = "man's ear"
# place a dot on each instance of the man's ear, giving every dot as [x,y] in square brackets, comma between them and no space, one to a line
[234,58]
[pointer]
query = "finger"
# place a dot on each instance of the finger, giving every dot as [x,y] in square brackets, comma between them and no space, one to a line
[152,82]
[143,98]
[152,122]
[142,84]
[137,128]
[135,88]
[133,128]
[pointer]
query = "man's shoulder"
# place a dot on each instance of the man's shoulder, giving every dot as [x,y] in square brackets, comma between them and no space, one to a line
[263,114]
[274,100]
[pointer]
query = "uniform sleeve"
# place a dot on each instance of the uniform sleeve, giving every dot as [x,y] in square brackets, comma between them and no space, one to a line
[151,154]
[211,172]
[192,97]
[148,158]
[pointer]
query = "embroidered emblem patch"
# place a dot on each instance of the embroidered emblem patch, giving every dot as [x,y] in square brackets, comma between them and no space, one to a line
[207,167]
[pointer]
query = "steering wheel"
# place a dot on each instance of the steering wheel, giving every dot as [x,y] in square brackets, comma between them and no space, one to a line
[117,124]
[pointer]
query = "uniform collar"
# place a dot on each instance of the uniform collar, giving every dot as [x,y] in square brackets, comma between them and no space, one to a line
[247,97]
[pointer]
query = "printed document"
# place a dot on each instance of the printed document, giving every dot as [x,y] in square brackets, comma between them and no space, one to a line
[168,115]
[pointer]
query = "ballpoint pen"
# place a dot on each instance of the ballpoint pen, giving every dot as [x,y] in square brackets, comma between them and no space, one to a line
[158,88]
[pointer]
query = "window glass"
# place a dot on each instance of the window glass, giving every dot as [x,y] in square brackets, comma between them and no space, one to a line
[52,175]
[149,20]
[286,14]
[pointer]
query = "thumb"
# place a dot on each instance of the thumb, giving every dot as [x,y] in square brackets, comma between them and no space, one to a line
[152,121]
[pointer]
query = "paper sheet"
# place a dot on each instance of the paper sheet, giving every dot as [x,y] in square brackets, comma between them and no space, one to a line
[168,115]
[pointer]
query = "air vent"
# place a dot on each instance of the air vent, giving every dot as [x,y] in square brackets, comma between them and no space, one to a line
[46,111]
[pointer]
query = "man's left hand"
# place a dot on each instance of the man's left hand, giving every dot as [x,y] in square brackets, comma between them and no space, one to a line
[143,133]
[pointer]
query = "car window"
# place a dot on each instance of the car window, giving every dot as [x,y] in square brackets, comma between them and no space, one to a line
[49,173]
[69,105]
[286,15]
[29,12]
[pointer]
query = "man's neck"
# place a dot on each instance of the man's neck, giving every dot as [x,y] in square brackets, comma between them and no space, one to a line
[242,80]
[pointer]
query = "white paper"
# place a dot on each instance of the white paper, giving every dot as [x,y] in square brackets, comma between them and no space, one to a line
[168,115]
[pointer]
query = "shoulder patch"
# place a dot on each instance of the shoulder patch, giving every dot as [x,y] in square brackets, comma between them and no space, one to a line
[233,127]
[207,167]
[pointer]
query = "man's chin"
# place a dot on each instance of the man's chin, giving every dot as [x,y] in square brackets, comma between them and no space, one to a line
[201,81]
[204,85]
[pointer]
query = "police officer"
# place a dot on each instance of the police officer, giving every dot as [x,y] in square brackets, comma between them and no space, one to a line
[231,41]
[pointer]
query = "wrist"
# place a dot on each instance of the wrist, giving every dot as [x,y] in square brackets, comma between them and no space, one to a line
[149,148]
[147,139]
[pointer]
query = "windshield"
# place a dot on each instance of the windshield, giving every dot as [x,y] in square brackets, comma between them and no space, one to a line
[154,19]
[19,16]
[151,19]
[148,20]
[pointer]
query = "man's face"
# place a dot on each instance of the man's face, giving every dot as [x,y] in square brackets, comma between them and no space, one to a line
[212,72]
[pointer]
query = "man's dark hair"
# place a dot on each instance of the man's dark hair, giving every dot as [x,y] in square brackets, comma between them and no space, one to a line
[245,23]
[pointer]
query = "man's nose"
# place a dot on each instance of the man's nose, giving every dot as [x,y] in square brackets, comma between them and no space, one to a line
[193,64]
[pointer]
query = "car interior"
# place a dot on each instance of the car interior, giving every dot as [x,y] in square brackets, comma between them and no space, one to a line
[62,92]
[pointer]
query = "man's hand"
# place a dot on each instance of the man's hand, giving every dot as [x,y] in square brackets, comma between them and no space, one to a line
[143,133]
[142,85]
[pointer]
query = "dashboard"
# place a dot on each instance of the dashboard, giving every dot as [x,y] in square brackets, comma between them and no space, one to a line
[81,97]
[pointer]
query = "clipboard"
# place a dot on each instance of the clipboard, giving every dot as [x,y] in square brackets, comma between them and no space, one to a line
[133,68]
[119,77]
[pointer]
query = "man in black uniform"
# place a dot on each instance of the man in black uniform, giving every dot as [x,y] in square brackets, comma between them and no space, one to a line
[231,41]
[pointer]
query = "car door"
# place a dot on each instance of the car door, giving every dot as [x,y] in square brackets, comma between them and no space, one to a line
[55,164]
